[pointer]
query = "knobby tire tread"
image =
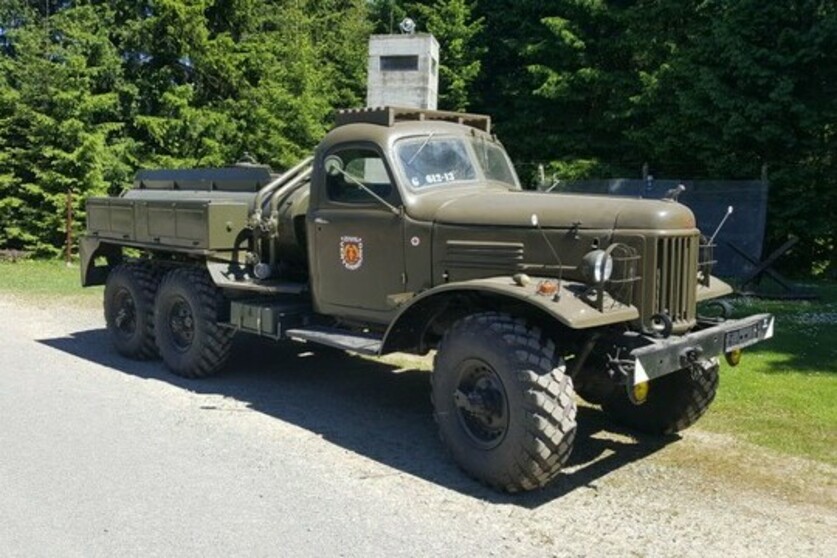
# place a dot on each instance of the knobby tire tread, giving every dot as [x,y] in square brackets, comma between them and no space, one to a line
[146,279]
[548,394]
[218,340]
[679,402]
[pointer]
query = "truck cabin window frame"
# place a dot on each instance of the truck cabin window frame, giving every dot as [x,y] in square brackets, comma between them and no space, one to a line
[368,167]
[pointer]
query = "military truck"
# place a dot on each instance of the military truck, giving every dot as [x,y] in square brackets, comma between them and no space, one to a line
[408,231]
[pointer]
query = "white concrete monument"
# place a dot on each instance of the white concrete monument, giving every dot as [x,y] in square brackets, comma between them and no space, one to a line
[403,71]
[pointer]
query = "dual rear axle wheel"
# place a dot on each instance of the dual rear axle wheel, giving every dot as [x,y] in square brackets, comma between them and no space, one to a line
[174,315]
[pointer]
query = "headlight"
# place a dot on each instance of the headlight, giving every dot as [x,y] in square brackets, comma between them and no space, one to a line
[597,267]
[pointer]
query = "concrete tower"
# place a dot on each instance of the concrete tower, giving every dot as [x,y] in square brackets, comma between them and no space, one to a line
[403,71]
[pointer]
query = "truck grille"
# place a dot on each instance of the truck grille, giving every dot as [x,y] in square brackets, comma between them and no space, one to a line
[676,279]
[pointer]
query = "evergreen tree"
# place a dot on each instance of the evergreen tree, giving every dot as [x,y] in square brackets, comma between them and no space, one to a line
[505,87]
[385,15]
[729,87]
[341,30]
[583,69]
[59,112]
[454,26]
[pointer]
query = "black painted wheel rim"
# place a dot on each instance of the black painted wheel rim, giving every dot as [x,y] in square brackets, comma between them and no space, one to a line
[481,403]
[125,313]
[181,323]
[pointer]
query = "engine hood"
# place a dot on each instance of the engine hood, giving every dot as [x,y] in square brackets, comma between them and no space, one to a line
[515,209]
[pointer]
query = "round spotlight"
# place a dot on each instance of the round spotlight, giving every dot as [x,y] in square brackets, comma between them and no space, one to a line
[597,267]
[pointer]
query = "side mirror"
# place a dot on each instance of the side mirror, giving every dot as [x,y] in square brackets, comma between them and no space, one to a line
[333,165]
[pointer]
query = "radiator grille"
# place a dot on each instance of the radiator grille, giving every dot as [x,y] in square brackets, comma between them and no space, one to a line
[676,278]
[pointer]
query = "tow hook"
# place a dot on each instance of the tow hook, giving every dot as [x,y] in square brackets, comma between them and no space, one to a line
[691,359]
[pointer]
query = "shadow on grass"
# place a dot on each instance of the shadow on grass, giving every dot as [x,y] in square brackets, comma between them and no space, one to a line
[797,351]
[370,408]
[804,333]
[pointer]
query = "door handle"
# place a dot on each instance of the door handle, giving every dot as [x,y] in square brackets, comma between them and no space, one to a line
[320,221]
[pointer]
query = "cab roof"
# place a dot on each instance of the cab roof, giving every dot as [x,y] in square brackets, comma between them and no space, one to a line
[383,126]
[389,116]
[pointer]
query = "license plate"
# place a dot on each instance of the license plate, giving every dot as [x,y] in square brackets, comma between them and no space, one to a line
[740,338]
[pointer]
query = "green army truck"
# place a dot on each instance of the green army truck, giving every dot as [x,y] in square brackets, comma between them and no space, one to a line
[408,231]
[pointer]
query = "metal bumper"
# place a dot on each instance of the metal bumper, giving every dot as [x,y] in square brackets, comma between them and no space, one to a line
[663,356]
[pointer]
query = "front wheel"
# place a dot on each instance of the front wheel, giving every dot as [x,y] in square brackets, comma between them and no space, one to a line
[186,315]
[504,405]
[674,401]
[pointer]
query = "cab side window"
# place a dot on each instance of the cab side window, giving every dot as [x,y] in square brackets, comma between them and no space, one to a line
[365,166]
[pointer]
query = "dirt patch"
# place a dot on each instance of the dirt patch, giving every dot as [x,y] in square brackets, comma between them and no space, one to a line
[750,467]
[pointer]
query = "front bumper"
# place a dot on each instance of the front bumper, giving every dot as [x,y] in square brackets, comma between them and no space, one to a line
[663,356]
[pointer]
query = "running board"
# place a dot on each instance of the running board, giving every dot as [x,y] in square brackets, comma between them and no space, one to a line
[363,343]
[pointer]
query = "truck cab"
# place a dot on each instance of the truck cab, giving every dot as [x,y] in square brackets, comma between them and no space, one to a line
[371,247]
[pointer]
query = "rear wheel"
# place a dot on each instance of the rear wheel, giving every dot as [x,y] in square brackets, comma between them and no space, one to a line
[187,311]
[674,402]
[504,406]
[129,309]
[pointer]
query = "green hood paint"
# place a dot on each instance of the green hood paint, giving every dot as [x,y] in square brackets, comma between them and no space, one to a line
[514,209]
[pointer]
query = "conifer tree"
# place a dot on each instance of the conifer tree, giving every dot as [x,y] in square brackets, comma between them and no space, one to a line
[59,109]
[453,24]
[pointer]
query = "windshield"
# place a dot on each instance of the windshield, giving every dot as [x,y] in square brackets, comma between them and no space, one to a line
[493,161]
[428,161]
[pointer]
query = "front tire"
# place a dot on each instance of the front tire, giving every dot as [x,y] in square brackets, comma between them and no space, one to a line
[129,309]
[504,405]
[186,315]
[675,401]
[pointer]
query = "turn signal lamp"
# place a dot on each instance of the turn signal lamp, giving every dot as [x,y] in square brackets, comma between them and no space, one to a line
[547,288]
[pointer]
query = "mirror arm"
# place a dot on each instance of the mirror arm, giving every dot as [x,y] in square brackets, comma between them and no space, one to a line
[366,189]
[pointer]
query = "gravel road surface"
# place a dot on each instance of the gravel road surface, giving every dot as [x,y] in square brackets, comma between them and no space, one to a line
[291,452]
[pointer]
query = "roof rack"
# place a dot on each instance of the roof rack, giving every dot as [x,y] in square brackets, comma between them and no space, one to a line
[388,116]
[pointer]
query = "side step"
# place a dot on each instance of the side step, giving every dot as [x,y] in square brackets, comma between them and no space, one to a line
[363,343]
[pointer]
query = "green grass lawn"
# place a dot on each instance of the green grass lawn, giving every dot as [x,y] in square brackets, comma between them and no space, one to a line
[46,280]
[782,396]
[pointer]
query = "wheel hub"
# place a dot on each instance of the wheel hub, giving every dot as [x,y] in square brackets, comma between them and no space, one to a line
[481,403]
[125,319]
[182,324]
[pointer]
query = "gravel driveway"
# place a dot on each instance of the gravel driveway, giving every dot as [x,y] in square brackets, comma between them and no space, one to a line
[291,452]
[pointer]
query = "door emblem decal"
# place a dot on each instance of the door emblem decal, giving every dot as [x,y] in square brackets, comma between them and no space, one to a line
[351,252]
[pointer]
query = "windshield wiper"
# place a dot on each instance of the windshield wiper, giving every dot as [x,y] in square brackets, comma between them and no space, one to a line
[422,146]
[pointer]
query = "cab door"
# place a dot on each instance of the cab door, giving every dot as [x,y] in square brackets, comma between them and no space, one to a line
[357,253]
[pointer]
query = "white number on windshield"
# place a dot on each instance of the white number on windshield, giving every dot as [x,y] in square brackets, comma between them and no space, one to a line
[439,178]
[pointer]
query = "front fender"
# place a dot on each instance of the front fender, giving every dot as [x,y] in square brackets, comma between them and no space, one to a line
[570,309]
[715,289]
